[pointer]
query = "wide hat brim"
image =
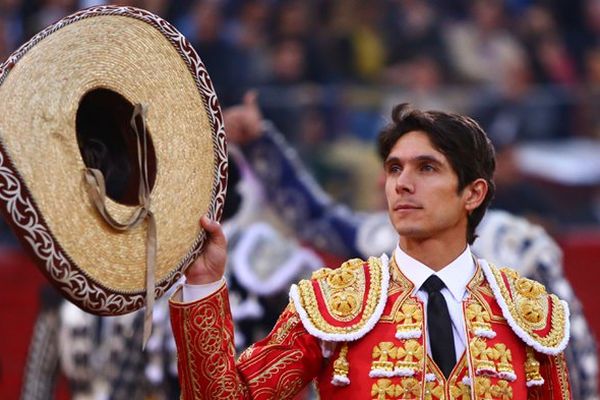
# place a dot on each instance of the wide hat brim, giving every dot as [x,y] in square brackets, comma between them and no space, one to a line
[145,60]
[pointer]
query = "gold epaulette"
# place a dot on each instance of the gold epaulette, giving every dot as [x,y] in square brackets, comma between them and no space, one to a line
[343,304]
[540,319]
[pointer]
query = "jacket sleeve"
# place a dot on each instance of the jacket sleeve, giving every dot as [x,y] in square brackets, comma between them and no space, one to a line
[554,371]
[278,367]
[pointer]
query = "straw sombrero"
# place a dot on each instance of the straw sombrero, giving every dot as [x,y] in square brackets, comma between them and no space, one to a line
[120,91]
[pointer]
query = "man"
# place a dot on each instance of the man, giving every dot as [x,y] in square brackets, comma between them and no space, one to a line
[430,322]
[333,228]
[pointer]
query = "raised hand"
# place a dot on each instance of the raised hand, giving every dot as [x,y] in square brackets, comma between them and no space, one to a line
[243,122]
[210,265]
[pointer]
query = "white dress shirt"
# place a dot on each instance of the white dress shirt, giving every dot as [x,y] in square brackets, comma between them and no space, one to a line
[455,276]
[192,293]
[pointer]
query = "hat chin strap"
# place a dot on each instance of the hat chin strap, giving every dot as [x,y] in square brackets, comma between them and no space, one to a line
[96,188]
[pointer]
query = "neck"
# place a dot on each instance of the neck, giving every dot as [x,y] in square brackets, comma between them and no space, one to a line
[434,253]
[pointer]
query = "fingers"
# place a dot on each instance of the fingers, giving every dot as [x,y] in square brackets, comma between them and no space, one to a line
[214,230]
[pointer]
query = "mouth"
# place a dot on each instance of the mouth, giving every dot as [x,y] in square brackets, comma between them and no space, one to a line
[406,207]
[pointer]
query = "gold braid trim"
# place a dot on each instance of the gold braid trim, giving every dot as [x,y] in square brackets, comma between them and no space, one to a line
[343,297]
[529,309]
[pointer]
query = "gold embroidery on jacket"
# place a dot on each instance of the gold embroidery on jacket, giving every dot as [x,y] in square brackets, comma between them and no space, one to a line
[382,389]
[479,320]
[263,374]
[282,331]
[409,355]
[382,366]
[483,357]
[504,366]
[563,376]
[288,386]
[484,387]
[460,391]
[343,291]
[532,369]
[409,320]
[341,367]
[502,391]
[409,388]
[207,334]
[433,391]
[529,305]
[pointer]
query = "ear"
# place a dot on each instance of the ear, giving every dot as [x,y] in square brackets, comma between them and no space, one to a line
[474,194]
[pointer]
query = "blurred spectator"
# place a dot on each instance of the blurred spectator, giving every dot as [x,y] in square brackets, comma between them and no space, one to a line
[49,11]
[341,20]
[205,26]
[516,110]
[589,99]
[368,48]
[415,34]
[296,24]
[249,32]
[551,62]
[482,46]
[422,82]
[518,196]
[4,37]
[354,40]
[11,27]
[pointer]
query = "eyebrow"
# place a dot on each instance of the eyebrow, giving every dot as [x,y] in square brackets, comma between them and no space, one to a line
[419,159]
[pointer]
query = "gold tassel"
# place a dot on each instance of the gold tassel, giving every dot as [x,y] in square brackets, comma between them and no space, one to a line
[532,369]
[341,367]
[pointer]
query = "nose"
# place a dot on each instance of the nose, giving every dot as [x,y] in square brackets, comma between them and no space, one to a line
[405,182]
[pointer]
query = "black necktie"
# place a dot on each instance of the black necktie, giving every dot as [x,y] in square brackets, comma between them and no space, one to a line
[439,326]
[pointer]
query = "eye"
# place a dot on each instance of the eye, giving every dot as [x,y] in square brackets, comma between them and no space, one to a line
[427,168]
[394,169]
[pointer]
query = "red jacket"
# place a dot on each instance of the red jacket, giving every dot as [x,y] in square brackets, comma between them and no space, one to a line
[357,331]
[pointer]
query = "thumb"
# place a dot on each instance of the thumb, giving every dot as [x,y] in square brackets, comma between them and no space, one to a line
[250,98]
[214,231]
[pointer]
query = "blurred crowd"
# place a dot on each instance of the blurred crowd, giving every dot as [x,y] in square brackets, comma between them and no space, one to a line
[328,72]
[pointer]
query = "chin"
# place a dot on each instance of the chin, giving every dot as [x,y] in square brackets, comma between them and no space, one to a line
[409,230]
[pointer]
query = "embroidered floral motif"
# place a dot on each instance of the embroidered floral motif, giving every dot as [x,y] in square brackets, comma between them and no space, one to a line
[409,388]
[504,365]
[484,387]
[409,358]
[382,389]
[283,330]
[479,320]
[341,278]
[460,391]
[409,319]
[433,391]
[382,366]
[483,357]
[502,390]
[343,304]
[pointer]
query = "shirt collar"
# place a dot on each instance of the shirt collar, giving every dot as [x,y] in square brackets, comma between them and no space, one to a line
[455,275]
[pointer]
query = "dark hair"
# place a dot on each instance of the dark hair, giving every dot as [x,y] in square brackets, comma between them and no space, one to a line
[461,139]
